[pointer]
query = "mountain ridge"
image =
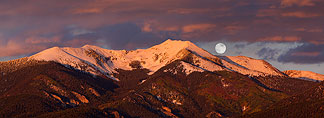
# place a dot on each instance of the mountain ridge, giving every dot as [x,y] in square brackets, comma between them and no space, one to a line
[172,79]
[100,61]
[307,75]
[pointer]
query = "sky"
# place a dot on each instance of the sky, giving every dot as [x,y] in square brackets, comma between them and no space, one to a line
[287,33]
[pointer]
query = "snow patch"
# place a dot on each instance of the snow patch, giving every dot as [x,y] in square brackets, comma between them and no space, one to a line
[142,82]
[224,83]
[81,98]
[176,102]
[244,108]
[188,68]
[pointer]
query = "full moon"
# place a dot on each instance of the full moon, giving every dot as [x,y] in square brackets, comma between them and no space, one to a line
[220,48]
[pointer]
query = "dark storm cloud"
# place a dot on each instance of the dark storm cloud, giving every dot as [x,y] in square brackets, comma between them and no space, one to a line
[268,53]
[239,45]
[304,54]
[127,36]
[117,36]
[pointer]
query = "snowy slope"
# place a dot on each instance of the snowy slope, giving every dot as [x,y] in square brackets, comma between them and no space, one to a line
[79,58]
[308,75]
[97,60]
[184,67]
[250,66]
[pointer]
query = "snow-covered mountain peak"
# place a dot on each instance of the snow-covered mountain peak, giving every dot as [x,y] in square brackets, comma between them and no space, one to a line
[90,47]
[178,45]
[97,60]
[94,59]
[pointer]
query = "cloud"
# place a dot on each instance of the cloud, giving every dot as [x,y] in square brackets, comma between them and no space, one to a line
[197,27]
[288,13]
[267,12]
[117,36]
[147,27]
[87,11]
[300,14]
[188,11]
[281,39]
[130,24]
[126,36]
[197,31]
[42,40]
[232,29]
[316,30]
[268,53]
[304,54]
[317,42]
[14,48]
[313,54]
[288,3]
[240,46]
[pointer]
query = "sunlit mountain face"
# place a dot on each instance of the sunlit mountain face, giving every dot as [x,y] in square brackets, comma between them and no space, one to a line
[172,79]
[161,58]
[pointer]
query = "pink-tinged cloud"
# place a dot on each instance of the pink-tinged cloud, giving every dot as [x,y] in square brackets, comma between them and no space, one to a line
[157,26]
[14,48]
[198,27]
[192,31]
[283,13]
[169,28]
[317,42]
[300,14]
[281,39]
[267,12]
[87,11]
[316,30]
[300,29]
[306,53]
[147,27]
[188,11]
[42,40]
[232,29]
[288,3]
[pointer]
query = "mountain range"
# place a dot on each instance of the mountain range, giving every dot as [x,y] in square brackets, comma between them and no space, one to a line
[173,79]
